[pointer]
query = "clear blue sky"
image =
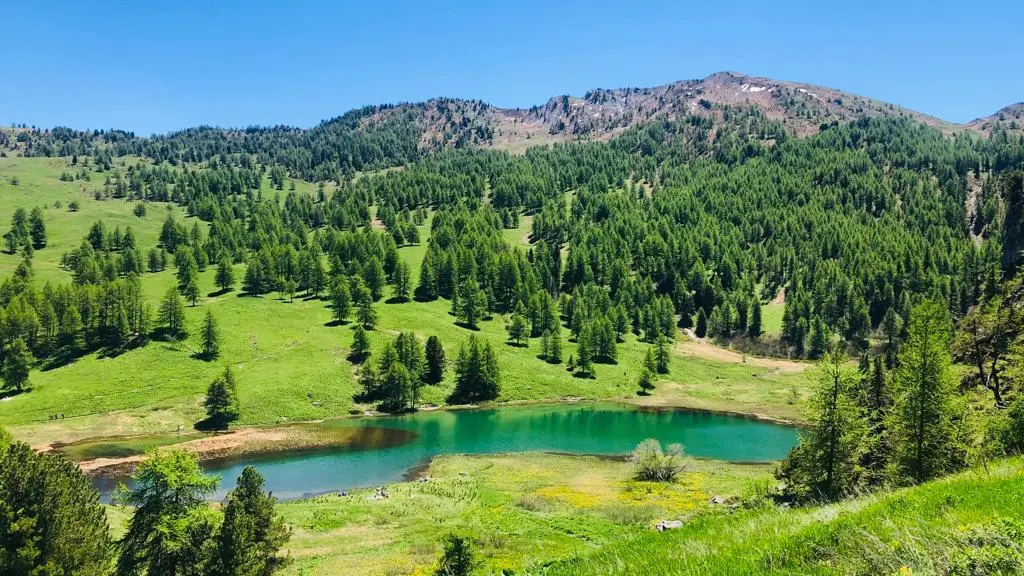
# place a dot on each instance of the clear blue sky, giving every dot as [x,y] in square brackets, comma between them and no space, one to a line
[156,66]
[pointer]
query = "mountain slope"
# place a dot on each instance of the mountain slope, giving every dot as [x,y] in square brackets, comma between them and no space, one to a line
[1010,118]
[380,136]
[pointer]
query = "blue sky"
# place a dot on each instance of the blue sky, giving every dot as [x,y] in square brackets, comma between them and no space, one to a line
[157,66]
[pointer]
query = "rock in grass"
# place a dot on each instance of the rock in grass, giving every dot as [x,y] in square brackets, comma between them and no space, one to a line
[668,525]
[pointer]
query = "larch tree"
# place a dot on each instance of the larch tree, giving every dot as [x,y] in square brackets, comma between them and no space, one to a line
[17,361]
[225,275]
[435,358]
[172,314]
[252,533]
[221,403]
[211,337]
[51,520]
[926,414]
[824,464]
[171,526]
[360,349]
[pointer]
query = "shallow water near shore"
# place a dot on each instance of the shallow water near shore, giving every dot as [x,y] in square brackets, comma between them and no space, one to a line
[386,449]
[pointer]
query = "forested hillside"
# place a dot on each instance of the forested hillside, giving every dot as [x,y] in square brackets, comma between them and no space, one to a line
[428,254]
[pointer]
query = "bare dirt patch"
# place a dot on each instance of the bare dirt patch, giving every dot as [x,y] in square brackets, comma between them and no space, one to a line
[701,348]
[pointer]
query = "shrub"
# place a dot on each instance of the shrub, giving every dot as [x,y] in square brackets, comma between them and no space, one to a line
[650,463]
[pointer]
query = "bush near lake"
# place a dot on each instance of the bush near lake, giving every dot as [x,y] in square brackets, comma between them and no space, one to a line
[653,464]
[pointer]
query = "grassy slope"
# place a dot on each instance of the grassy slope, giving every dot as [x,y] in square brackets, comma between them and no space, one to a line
[915,528]
[289,362]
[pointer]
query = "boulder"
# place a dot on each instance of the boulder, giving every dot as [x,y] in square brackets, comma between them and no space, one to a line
[668,525]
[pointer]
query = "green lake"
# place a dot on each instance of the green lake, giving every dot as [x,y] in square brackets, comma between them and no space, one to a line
[394,445]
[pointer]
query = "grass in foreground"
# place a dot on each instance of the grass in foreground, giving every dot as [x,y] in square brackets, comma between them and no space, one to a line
[911,531]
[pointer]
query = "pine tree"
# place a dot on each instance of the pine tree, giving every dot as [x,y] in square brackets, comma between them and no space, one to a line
[403,282]
[360,345]
[824,465]
[365,314]
[662,356]
[191,289]
[51,521]
[457,557]
[555,355]
[701,329]
[924,417]
[341,300]
[169,530]
[584,353]
[225,277]
[396,388]
[252,533]
[476,373]
[172,314]
[516,326]
[211,337]
[375,278]
[37,228]
[17,360]
[819,338]
[222,400]
[435,360]
[646,382]
[473,303]
[754,329]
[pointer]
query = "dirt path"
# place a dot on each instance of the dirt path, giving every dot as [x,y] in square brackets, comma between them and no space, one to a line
[701,348]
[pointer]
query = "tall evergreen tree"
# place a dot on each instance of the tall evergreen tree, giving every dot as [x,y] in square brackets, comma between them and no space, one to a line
[211,337]
[251,534]
[701,330]
[516,326]
[17,361]
[403,282]
[171,524]
[926,414]
[51,520]
[341,300]
[555,354]
[662,356]
[360,344]
[225,276]
[37,228]
[365,314]
[824,465]
[435,360]
[172,314]
[754,329]
[476,371]
[222,400]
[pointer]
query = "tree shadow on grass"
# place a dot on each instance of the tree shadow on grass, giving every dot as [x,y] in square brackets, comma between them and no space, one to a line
[210,424]
[5,394]
[462,324]
[335,323]
[217,293]
[66,355]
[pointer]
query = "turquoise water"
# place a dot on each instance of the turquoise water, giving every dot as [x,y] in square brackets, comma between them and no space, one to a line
[400,443]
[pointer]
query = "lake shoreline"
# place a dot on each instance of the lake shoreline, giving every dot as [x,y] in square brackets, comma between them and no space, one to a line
[296,437]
